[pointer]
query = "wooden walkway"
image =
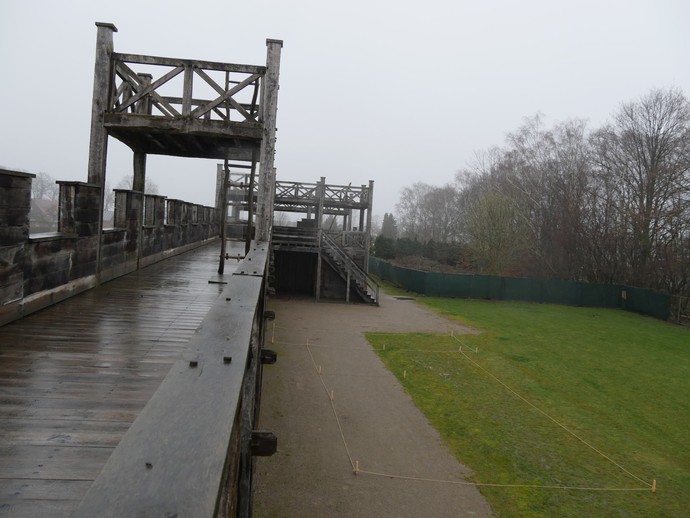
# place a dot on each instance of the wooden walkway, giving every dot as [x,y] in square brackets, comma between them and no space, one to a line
[73,377]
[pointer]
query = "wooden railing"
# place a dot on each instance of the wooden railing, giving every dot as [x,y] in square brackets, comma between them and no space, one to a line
[353,271]
[190,451]
[347,195]
[296,191]
[185,88]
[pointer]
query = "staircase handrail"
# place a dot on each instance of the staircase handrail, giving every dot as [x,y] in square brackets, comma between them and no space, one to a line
[366,279]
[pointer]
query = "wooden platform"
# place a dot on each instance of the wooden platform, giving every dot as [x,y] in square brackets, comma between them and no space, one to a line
[73,377]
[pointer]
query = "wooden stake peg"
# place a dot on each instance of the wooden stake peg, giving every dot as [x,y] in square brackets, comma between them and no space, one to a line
[654,486]
[405,375]
[356,467]
[319,369]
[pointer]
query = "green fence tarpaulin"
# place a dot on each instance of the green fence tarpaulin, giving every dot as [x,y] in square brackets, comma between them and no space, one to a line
[551,291]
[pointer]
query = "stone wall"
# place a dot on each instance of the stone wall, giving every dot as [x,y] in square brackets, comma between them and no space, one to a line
[15,203]
[41,269]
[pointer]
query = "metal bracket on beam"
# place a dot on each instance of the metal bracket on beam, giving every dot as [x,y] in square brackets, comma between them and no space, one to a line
[263,444]
[269,315]
[268,356]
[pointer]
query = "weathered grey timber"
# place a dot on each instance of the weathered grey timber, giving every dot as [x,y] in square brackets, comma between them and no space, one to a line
[41,269]
[340,270]
[127,105]
[75,376]
[98,145]
[190,451]
[181,454]
[269,109]
[228,126]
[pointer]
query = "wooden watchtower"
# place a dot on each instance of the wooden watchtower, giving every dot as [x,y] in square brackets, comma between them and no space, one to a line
[325,254]
[185,108]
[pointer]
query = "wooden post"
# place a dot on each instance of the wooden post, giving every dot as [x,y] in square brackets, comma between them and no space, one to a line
[224,216]
[269,103]
[370,200]
[320,194]
[98,144]
[347,287]
[219,187]
[139,161]
[362,212]
[139,169]
[187,91]
[250,206]
[102,77]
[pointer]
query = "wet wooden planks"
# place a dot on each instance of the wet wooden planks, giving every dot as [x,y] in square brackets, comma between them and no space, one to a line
[73,377]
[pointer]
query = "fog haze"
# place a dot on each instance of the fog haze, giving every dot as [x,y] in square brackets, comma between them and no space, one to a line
[395,92]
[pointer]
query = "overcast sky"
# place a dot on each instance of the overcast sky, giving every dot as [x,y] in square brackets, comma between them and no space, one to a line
[391,91]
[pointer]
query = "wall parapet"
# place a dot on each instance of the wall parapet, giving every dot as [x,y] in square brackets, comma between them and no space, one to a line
[37,270]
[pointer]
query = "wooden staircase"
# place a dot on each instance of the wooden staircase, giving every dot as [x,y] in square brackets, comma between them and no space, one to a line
[353,275]
[306,239]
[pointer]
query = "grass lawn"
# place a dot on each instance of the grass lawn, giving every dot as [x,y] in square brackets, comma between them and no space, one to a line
[619,381]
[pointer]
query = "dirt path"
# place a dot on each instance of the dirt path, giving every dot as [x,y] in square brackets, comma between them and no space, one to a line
[311,474]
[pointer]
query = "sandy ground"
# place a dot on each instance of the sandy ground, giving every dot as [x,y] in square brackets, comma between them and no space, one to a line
[311,474]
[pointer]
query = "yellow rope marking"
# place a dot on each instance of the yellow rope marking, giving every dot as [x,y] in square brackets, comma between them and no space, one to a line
[356,469]
[482,484]
[383,348]
[553,419]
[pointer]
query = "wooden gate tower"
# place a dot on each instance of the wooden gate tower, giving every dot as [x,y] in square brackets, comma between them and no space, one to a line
[185,108]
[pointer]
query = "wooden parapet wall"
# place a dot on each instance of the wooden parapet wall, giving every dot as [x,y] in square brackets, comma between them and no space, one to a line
[189,451]
[37,270]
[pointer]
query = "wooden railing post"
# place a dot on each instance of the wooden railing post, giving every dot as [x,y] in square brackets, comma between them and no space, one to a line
[269,103]
[367,243]
[102,96]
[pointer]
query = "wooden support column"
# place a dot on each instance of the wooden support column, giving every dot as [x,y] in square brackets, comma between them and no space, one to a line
[98,144]
[269,106]
[138,183]
[360,223]
[139,161]
[347,286]
[250,207]
[370,201]
[139,167]
[320,195]
[223,198]
[102,78]
[219,186]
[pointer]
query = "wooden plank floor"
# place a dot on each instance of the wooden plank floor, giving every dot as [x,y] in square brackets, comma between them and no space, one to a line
[73,377]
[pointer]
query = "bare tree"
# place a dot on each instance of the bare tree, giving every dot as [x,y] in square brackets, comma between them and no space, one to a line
[43,187]
[428,213]
[410,209]
[611,205]
[647,151]
[495,232]
[150,187]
